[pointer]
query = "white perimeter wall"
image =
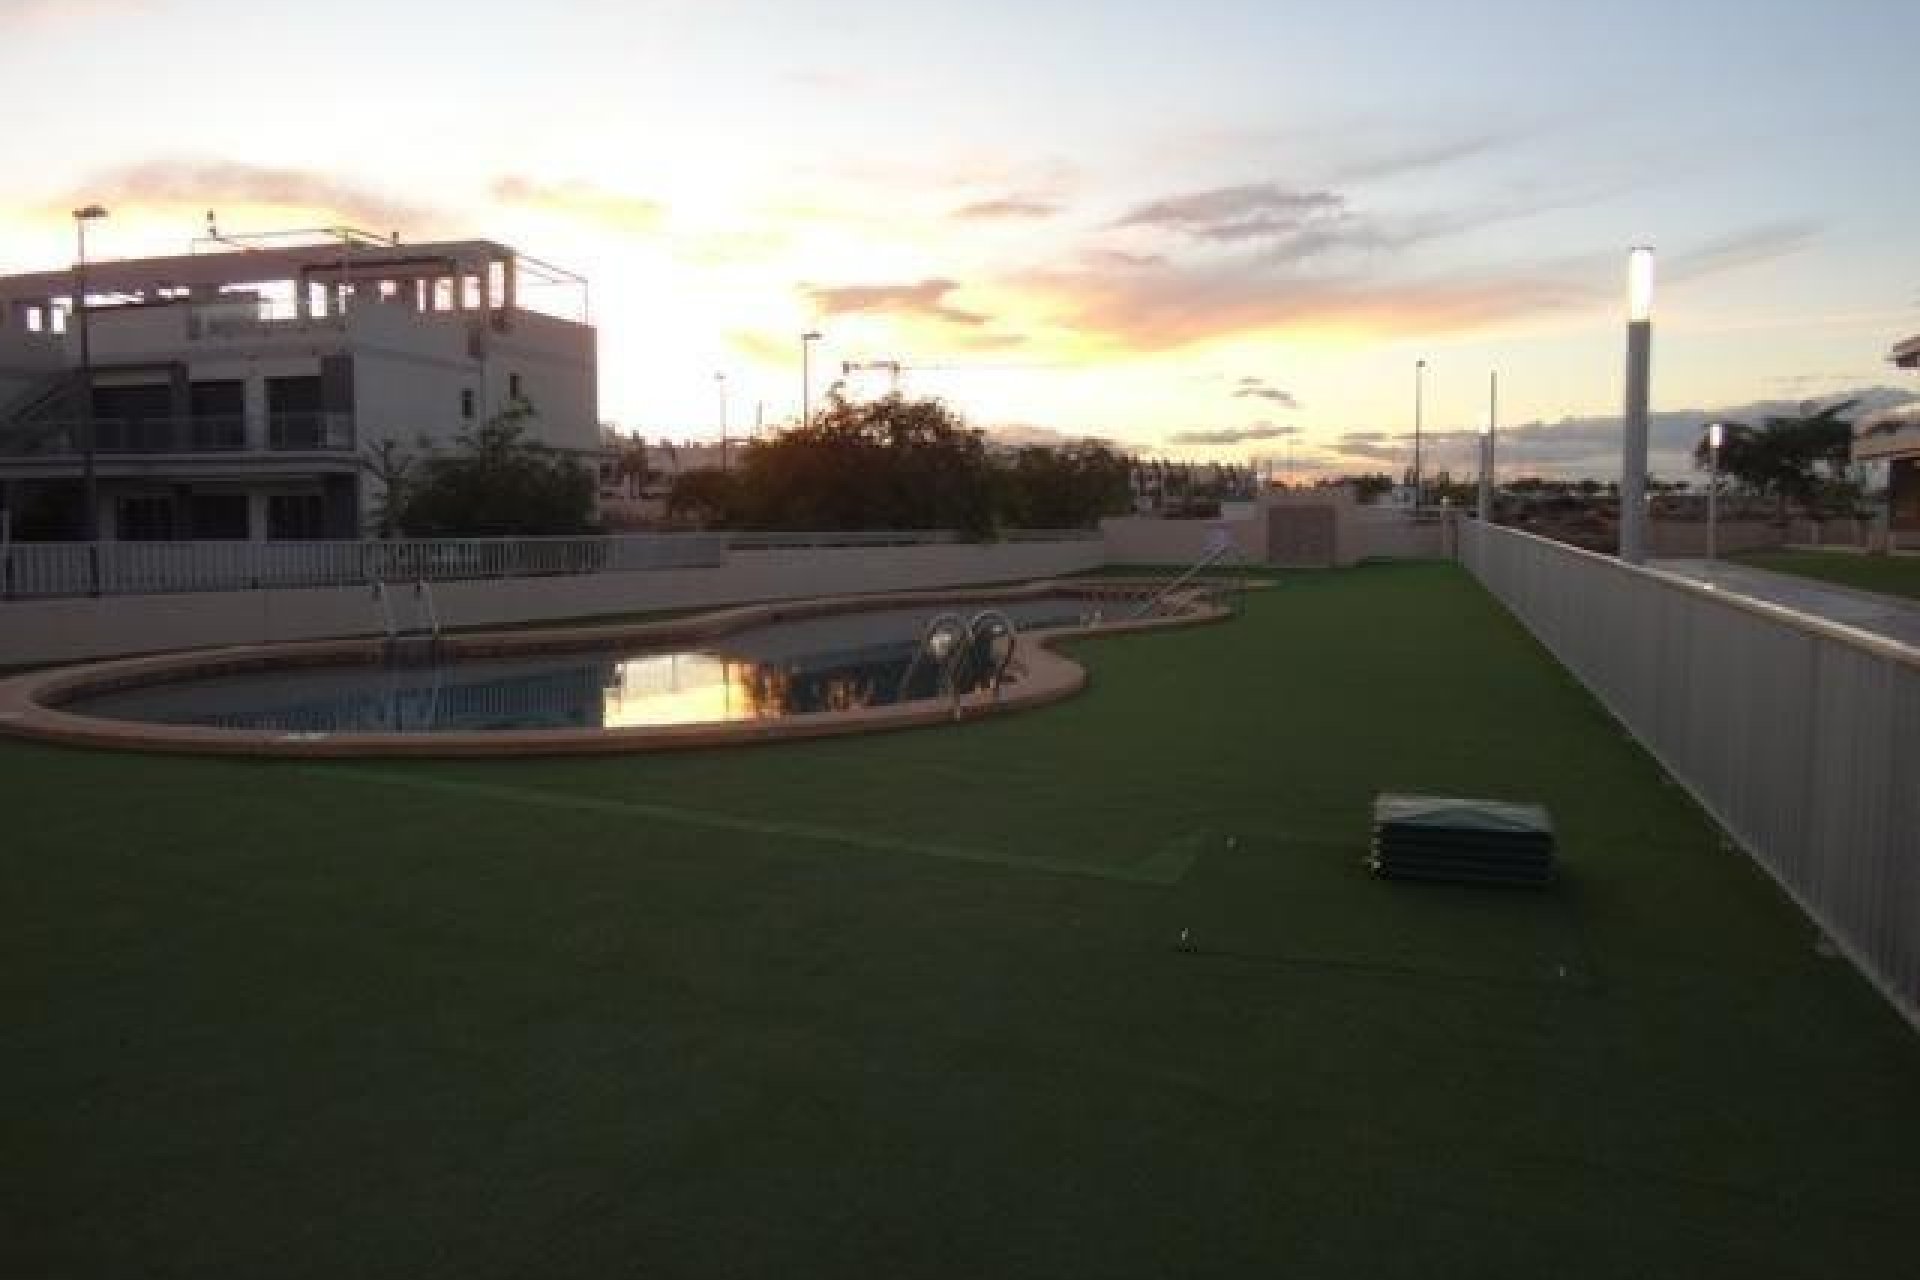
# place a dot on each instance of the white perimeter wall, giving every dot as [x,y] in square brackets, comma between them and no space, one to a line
[1798,737]
[68,630]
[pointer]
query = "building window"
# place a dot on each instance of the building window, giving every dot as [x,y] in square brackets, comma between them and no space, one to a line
[301,516]
[466,403]
[218,517]
[146,519]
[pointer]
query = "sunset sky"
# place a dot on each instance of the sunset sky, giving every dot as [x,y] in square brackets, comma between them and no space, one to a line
[1186,227]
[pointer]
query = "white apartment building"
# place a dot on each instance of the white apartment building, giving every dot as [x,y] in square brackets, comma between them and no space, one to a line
[240,392]
[1891,438]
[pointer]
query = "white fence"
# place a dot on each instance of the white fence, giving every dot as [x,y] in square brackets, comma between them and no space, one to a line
[1798,736]
[41,570]
[31,570]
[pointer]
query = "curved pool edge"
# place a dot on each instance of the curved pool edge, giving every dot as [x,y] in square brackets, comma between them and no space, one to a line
[30,703]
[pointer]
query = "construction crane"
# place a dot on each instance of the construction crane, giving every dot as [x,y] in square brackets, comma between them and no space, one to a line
[895,368]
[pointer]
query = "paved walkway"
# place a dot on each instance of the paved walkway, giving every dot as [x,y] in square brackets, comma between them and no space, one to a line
[1887,616]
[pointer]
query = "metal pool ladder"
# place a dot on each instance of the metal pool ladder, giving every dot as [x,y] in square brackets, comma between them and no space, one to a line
[427,614]
[1219,552]
[950,643]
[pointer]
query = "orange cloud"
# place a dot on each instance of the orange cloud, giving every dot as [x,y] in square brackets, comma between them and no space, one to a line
[582,200]
[196,186]
[1165,310]
[925,300]
[1006,207]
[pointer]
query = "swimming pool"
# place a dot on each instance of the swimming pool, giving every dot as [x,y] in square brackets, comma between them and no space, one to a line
[840,662]
[794,669]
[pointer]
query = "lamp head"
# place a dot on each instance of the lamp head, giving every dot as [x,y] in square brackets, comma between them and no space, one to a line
[1640,284]
[811,335]
[89,212]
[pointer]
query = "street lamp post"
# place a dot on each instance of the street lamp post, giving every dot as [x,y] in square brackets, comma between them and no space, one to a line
[1716,435]
[1633,453]
[1419,392]
[89,476]
[807,340]
[720,383]
[1486,448]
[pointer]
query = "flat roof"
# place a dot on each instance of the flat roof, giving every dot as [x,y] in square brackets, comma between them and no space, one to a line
[262,265]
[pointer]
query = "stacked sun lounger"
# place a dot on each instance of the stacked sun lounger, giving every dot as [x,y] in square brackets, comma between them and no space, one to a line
[1465,841]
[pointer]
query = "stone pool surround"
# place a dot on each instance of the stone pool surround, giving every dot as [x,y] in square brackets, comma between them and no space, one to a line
[30,705]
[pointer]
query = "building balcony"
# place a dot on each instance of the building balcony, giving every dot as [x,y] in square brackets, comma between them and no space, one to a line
[200,434]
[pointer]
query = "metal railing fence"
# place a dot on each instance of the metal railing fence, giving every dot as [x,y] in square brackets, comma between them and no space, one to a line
[1799,736]
[32,570]
[38,570]
[749,540]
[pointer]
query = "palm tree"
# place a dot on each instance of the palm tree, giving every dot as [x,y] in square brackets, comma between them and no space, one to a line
[1783,458]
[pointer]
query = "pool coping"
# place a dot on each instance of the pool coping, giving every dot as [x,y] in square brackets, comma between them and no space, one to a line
[30,704]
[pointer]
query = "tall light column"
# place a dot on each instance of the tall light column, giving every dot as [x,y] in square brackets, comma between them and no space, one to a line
[1716,434]
[1633,451]
[89,474]
[720,384]
[807,340]
[1486,447]
[1419,389]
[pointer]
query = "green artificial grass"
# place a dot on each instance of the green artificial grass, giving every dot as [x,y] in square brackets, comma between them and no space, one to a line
[1889,575]
[918,1003]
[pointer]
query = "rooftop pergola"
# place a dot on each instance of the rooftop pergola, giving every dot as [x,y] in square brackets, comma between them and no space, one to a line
[481,275]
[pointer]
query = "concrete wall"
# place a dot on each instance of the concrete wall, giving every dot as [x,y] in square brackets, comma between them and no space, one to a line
[1395,535]
[51,631]
[558,376]
[1147,540]
[1360,533]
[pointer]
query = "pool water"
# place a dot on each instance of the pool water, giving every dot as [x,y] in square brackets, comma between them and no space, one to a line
[840,662]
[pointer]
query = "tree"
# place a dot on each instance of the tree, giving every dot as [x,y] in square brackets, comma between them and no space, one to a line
[1063,488]
[497,483]
[891,463]
[1783,458]
[1366,488]
[630,463]
[704,497]
[389,462]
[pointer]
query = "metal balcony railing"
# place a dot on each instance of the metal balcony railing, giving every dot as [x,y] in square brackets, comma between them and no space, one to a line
[66,437]
[302,432]
[204,433]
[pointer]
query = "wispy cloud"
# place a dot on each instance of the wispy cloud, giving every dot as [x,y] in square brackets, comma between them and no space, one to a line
[927,300]
[1251,388]
[1006,208]
[1232,214]
[582,200]
[199,185]
[1588,446]
[1179,306]
[1763,243]
[1233,435]
[1429,153]
[42,14]
[1021,435]
[1103,259]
